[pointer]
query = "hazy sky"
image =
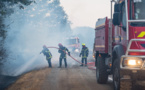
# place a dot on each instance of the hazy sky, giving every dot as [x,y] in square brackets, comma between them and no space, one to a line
[86,12]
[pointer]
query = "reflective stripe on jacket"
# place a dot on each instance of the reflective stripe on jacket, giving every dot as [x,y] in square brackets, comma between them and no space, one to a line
[63,51]
[84,52]
[47,53]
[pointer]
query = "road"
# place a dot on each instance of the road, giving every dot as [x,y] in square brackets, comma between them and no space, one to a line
[71,78]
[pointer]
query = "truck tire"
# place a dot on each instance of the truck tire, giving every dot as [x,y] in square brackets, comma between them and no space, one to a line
[116,75]
[101,71]
[125,85]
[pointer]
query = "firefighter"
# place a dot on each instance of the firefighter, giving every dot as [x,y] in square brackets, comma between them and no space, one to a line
[48,55]
[84,53]
[62,50]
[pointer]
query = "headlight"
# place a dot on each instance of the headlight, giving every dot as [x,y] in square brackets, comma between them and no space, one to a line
[132,62]
[77,50]
[93,56]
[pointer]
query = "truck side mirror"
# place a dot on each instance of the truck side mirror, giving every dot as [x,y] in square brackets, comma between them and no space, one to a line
[116,18]
[117,7]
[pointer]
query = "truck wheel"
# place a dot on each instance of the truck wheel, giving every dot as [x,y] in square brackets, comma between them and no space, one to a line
[125,85]
[101,71]
[116,75]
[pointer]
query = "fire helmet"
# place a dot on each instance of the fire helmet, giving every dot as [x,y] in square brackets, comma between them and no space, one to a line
[60,44]
[44,46]
[83,44]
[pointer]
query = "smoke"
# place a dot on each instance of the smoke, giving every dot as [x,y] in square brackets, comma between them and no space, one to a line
[86,35]
[41,23]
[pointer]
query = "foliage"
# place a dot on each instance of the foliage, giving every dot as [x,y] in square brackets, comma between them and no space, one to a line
[25,2]
[5,11]
[15,15]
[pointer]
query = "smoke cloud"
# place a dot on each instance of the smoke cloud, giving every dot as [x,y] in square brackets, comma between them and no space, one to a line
[41,23]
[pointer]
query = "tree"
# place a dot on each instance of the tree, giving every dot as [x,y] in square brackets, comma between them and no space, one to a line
[5,11]
[22,18]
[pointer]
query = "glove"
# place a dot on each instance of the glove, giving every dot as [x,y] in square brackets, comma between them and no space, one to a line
[40,52]
[69,53]
[80,55]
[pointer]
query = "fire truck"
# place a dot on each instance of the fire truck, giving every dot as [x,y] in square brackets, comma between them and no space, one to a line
[119,45]
[73,44]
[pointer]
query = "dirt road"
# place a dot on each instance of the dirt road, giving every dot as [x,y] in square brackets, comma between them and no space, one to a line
[71,78]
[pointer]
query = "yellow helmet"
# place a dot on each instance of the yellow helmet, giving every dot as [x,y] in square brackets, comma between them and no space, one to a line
[83,44]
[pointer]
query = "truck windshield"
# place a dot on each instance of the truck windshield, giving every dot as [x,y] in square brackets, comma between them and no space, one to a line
[138,11]
[71,41]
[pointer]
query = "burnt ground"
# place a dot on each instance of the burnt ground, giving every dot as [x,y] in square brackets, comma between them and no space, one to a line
[6,81]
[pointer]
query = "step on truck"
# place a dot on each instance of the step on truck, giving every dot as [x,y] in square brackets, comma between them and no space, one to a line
[119,45]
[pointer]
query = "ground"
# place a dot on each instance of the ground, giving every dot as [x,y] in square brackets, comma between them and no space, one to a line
[71,78]
[74,77]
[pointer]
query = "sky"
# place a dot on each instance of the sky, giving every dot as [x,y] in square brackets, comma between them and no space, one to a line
[86,12]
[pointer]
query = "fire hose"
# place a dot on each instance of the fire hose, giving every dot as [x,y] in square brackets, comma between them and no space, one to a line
[91,64]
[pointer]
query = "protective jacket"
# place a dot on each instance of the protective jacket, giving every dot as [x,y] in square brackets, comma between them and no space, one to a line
[47,53]
[84,52]
[62,50]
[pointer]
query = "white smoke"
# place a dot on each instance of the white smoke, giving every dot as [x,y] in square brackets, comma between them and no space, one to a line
[29,30]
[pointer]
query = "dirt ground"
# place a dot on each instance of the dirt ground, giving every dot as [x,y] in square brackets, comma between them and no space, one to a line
[71,78]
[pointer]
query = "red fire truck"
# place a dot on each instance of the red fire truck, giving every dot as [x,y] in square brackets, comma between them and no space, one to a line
[73,44]
[119,47]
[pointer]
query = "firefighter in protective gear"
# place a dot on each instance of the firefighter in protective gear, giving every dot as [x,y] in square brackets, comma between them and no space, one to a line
[62,50]
[48,55]
[84,53]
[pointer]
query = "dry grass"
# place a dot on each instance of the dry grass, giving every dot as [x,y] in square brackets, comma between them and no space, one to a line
[30,81]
